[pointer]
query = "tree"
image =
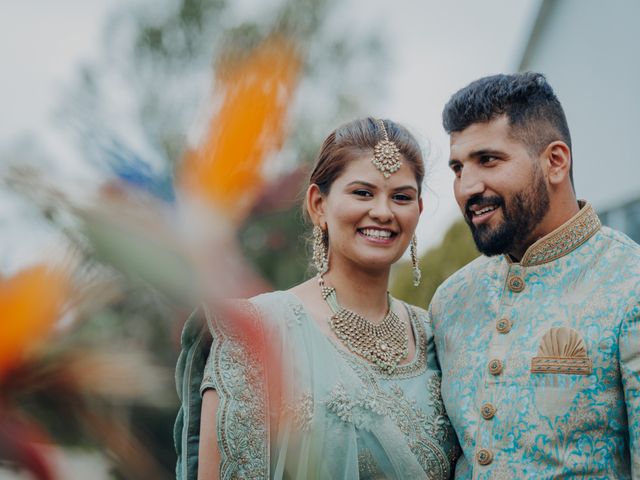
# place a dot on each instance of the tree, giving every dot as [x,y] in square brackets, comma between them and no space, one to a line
[142,101]
[437,264]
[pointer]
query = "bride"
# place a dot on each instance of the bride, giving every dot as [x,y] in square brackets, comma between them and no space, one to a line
[351,388]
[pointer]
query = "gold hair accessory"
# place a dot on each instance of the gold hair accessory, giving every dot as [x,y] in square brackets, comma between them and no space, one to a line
[385,344]
[386,154]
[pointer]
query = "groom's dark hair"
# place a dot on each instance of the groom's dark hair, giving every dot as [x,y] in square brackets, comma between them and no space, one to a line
[535,114]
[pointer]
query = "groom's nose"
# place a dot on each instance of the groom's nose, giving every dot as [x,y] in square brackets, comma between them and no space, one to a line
[469,184]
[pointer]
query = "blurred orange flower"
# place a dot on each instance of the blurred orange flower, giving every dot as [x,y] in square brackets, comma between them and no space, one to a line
[254,92]
[30,302]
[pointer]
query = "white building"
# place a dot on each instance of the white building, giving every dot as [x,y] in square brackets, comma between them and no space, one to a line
[589,51]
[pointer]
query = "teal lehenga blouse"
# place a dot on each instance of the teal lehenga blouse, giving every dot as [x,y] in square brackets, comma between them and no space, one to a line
[338,417]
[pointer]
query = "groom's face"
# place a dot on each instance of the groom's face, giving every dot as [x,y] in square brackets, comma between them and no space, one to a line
[500,188]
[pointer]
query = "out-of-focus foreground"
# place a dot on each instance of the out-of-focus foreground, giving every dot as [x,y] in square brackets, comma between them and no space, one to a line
[173,215]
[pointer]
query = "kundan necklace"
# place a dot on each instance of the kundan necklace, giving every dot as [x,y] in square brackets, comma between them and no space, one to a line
[385,344]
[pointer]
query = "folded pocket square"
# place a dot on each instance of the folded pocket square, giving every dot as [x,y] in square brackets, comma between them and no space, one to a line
[562,350]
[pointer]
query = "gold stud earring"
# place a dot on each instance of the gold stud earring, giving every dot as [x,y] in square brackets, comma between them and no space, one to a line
[413,250]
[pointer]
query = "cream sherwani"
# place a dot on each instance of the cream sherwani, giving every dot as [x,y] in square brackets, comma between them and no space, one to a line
[541,359]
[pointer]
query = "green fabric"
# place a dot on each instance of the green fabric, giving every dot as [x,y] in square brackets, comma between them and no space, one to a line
[335,416]
[195,343]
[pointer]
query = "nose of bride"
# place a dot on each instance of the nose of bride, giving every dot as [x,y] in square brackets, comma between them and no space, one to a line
[381,212]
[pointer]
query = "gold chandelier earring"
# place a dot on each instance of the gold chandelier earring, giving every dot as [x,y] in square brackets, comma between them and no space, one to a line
[413,250]
[320,254]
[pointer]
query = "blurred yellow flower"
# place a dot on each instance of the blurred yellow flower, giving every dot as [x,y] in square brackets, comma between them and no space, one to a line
[254,92]
[30,302]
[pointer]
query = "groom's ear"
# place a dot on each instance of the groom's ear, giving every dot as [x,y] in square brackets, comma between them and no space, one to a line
[556,163]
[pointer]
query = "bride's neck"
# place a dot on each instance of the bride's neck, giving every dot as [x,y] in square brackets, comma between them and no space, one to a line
[361,291]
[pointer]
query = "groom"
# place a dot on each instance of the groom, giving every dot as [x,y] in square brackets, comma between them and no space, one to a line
[539,339]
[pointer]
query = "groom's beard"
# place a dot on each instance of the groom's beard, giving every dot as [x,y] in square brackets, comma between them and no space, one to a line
[521,215]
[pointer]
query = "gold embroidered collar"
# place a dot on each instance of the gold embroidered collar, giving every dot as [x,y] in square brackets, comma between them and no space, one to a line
[564,239]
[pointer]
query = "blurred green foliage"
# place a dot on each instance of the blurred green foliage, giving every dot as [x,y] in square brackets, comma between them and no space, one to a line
[276,244]
[437,264]
[161,58]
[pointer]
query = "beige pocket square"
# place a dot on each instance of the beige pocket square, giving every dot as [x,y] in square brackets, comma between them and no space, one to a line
[562,350]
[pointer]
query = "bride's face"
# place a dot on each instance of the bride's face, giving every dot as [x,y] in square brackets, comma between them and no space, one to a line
[370,219]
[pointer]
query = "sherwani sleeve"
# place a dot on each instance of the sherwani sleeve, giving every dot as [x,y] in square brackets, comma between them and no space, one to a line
[629,344]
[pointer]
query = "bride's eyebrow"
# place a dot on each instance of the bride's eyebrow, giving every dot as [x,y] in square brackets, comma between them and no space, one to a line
[371,185]
[406,187]
[361,182]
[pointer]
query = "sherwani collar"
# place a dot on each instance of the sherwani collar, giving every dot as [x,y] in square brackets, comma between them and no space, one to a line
[564,239]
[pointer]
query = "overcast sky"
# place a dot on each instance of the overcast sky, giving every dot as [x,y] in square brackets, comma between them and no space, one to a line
[436,48]
[441,46]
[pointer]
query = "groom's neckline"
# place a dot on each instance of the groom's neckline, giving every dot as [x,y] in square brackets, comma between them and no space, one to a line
[564,239]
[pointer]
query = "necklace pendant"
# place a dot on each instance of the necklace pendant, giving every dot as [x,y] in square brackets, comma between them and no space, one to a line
[384,344]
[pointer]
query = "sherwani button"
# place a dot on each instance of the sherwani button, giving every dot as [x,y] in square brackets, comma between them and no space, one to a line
[488,411]
[515,283]
[484,456]
[495,367]
[503,325]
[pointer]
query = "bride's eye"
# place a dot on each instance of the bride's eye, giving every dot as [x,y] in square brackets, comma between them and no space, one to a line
[402,197]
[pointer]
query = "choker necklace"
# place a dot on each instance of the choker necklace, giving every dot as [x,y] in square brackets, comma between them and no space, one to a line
[384,345]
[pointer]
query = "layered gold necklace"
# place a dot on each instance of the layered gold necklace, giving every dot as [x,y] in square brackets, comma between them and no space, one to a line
[384,345]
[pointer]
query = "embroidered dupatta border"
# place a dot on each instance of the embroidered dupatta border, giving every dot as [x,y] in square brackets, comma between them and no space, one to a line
[244,446]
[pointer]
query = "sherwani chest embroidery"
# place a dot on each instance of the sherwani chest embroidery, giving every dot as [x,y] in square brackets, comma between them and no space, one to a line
[528,356]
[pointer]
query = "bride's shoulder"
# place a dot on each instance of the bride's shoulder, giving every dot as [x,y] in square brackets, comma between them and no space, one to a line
[274,305]
[419,314]
[416,310]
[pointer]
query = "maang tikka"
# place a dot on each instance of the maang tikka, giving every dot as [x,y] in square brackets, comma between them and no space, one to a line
[413,251]
[386,154]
